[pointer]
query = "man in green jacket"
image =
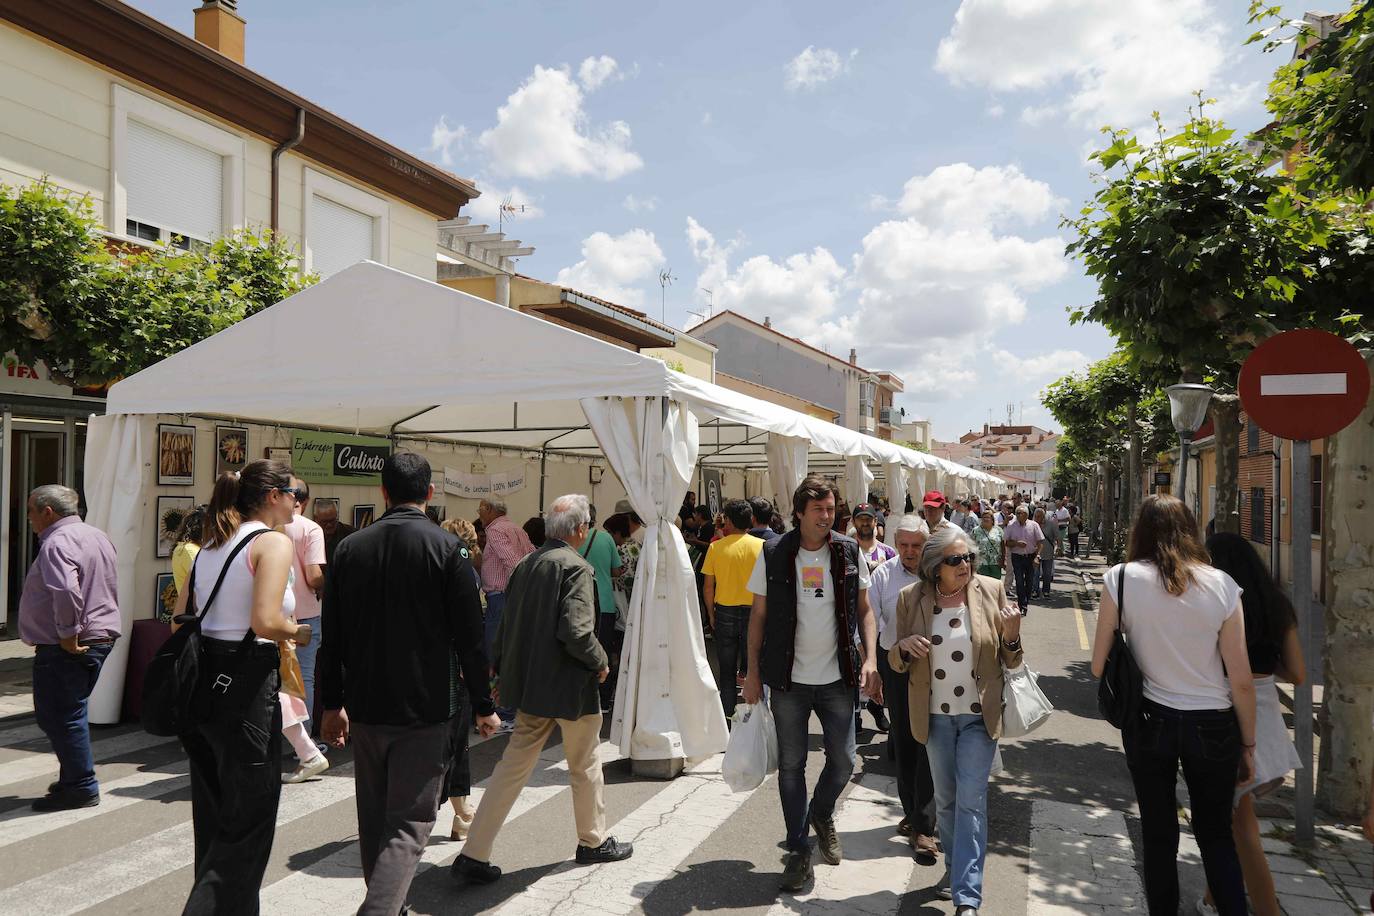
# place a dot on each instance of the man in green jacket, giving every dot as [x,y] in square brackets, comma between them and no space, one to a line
[549,663]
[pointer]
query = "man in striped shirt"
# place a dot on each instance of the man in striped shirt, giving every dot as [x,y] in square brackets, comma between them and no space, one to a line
[507,545]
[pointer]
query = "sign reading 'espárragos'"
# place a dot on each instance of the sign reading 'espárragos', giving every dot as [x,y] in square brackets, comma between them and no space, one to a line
[338,458]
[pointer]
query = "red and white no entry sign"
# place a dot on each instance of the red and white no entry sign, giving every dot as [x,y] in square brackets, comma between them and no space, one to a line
[1304,384]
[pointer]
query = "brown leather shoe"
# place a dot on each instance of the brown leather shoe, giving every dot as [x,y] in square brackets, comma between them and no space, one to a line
[923,849]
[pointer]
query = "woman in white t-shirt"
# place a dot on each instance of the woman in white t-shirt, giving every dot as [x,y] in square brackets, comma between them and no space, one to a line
[235,747]
[1182,620]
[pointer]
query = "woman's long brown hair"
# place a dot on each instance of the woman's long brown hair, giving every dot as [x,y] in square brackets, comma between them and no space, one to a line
[1165,534]
[236,496]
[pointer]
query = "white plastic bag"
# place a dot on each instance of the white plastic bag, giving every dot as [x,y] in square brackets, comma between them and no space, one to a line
[753,749]
[1024,705]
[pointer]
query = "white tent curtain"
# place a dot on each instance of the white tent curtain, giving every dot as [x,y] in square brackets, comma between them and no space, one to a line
[756,483]
[652,445]
[786,468]
[858,480]
[896,498]
[916,486]
[118,448]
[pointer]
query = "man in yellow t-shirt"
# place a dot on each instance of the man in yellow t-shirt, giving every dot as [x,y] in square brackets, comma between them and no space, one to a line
[729,561]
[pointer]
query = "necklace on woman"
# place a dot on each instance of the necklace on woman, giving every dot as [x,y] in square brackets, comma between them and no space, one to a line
[953,594]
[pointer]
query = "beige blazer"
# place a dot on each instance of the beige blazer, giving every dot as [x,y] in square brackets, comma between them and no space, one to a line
[986,598]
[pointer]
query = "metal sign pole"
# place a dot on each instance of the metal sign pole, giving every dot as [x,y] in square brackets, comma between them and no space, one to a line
[1301,559]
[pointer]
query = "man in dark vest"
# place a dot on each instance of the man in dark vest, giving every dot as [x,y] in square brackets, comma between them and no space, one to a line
[810,590]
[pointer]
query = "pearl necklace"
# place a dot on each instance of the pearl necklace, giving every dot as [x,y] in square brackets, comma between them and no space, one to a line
[952,594]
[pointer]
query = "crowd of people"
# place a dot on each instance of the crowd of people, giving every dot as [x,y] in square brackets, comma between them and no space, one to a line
[431,633]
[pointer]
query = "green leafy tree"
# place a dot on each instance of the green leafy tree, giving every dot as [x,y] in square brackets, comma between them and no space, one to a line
[93,315]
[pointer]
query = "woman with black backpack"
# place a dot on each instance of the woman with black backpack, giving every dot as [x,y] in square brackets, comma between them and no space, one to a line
[1182,621]
[241,582]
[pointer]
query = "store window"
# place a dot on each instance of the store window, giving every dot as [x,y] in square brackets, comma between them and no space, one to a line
[1257,515]
[176,179]
[343,225]
[1317,495]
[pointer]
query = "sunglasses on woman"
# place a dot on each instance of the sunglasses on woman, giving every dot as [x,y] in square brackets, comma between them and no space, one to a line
[959,559]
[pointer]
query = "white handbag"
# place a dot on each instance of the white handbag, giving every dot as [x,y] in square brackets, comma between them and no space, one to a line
[1024,705]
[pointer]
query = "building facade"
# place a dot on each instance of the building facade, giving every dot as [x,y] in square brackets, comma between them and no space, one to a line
[1023,454]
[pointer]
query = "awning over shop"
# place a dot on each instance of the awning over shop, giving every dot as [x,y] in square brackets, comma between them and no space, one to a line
[375,350]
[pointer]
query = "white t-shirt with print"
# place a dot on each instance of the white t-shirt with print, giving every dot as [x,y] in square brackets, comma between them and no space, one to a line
[815,657]
[953,691]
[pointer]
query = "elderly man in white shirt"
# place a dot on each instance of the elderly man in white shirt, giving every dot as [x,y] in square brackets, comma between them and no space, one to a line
[915,787]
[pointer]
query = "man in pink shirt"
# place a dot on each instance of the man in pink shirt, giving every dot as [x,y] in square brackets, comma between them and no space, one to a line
[308,539]
[507,544]
[1022,540]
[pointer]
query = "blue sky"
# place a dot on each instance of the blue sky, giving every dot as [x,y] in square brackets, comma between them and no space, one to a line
[889,179]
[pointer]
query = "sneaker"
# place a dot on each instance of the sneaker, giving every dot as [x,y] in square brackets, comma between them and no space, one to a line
[307,770]
[1204,908]
[505,728]
[880,720]
[827,840]
[66,801]
[610,851]
[796,871]
[942,889]
[470,871]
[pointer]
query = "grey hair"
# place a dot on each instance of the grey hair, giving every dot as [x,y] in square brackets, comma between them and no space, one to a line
[566,514]
[62,500]
[934,551]
[496,504]
[914,523]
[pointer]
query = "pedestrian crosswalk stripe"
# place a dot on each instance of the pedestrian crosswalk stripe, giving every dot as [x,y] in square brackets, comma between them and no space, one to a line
[90,882]
[20,824]
[665,830]
[45,764]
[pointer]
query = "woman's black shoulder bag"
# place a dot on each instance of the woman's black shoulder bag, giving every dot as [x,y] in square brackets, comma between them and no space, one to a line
[171,677]
[1120,690]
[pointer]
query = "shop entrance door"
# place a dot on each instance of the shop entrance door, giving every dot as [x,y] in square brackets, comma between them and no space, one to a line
[38,457]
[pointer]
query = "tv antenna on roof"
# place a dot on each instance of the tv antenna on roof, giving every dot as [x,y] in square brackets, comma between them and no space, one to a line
[508,209]
[665,280]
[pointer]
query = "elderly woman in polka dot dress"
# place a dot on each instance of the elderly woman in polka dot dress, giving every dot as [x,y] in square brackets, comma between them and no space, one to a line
[955,632]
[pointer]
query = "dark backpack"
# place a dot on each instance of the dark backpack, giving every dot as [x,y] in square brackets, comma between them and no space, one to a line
[1119,692]
[170,681]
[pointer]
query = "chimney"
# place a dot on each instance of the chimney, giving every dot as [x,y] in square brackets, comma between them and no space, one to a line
[219,26]
[853,357]
[767,322]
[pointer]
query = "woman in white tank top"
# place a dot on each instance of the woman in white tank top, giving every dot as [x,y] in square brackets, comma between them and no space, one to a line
[235,748]
[1182,620]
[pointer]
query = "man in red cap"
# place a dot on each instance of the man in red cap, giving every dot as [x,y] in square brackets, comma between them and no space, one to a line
[933,509]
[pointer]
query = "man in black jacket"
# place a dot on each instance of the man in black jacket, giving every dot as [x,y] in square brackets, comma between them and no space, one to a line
[401,615]
[810,611]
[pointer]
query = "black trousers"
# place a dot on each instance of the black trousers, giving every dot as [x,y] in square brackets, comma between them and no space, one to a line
[612,640]
[1023,569]
[915,786]
[732,656]
[458,781]
[235,755]
[1207,744]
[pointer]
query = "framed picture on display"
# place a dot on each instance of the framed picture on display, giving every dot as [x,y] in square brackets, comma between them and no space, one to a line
[278,454]
[164,597]
[176,455]
[171,510]
[364,515]
[322,501]
[231,448]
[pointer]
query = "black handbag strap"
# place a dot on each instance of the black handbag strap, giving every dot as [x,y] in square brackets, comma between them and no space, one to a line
[1121,598]
[224,571]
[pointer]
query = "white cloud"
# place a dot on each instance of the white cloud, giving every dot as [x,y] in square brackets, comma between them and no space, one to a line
[996,111]
[543,131]
[1041,366]
[596,71]
[443,139]
[815,66]
[1115,60]
[614,267]
[639,204]
[487,208]
[706,119]
[960,195]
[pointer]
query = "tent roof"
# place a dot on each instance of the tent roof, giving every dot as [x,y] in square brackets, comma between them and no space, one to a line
[377,350]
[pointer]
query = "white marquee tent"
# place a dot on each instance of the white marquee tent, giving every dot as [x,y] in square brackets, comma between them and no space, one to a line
[379,351]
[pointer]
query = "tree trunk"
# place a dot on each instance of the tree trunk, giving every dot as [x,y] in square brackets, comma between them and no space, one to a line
[1343,780]
[1226,421]
[1108,512]
[1131,492]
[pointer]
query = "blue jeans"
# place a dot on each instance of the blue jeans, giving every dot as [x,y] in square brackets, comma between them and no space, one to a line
[306,656]
[1046,574]
[834,704]
[731,631]
[1023,568]
[496,603]
[62,685]
[961,755]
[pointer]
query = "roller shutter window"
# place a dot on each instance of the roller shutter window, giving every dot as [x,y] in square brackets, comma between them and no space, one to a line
[339,236]
[174,188]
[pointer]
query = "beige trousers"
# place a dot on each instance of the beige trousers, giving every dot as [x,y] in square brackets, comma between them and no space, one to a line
[581,737]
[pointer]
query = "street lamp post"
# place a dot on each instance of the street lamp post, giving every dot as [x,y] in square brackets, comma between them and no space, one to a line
[1187,409]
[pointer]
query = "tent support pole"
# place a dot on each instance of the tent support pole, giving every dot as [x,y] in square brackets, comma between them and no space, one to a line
[395,435]
[544,459]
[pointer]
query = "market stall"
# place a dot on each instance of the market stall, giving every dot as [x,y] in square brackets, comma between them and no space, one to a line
[375,351]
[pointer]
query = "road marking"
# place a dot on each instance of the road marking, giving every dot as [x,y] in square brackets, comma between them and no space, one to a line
[1081,862]
[1082,627]
[23,823]
[43,763]
[1303,383]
